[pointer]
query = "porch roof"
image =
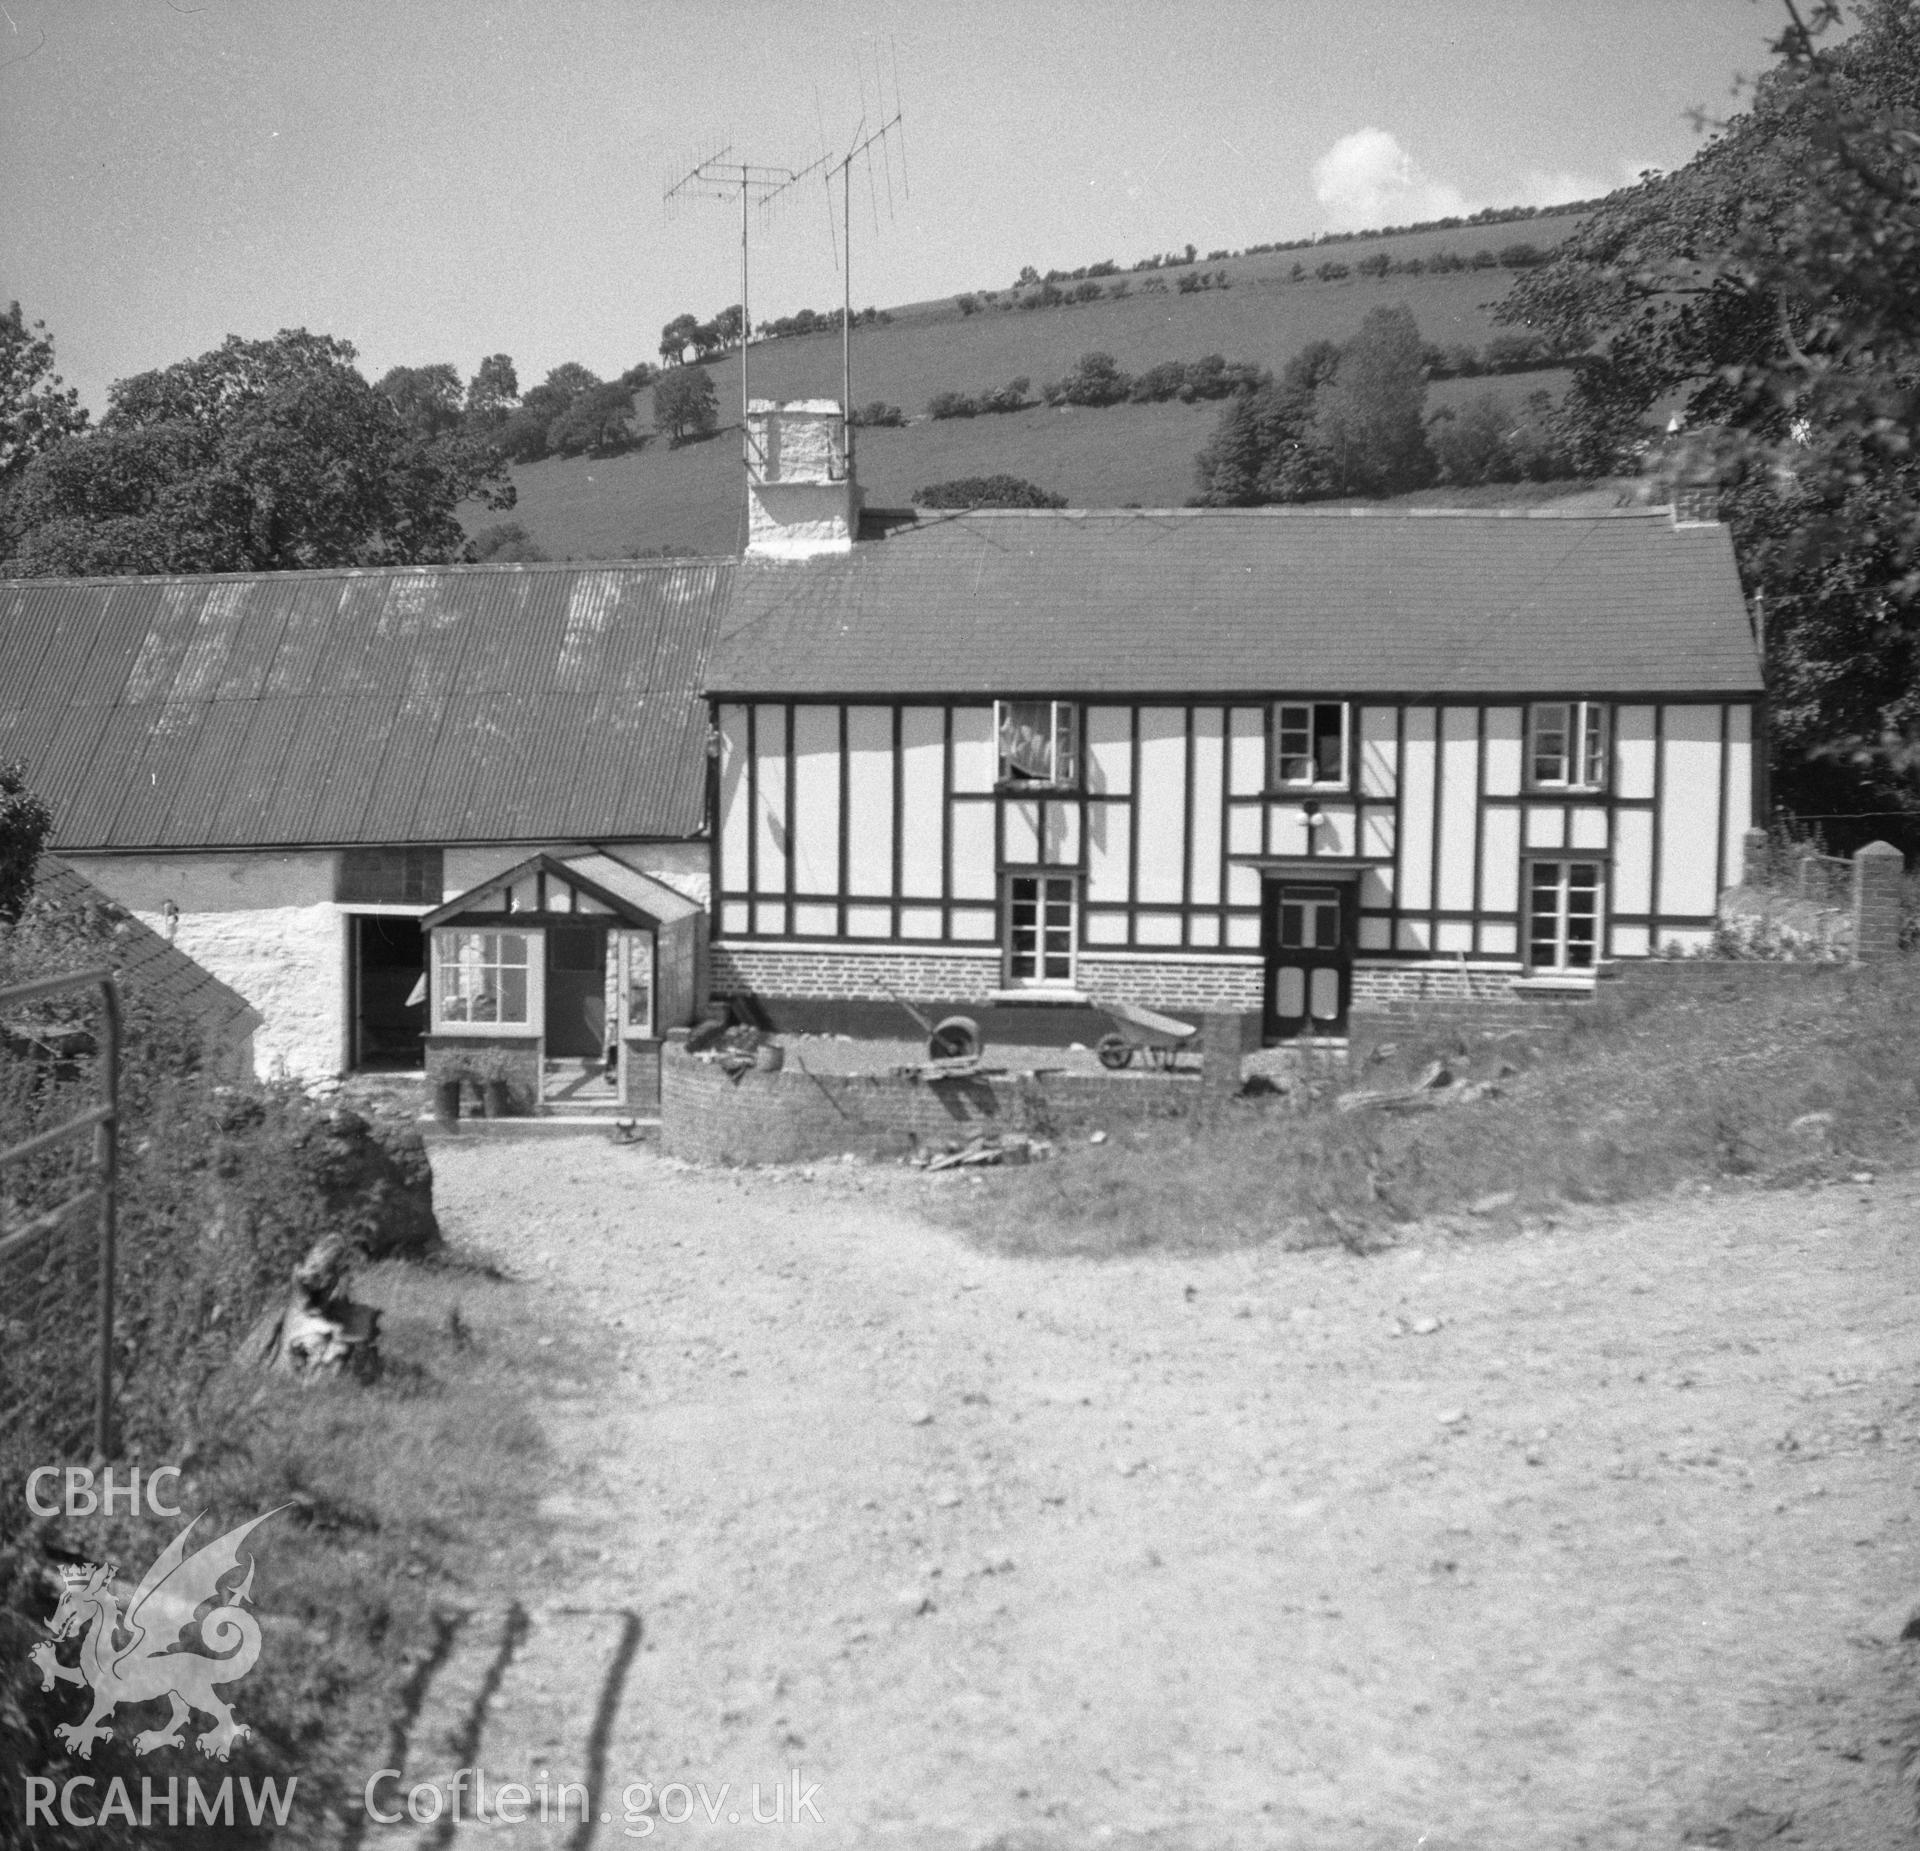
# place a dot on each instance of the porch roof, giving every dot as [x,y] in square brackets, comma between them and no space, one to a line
[624,891]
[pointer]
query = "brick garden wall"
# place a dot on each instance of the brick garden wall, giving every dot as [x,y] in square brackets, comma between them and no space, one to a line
[792,1116]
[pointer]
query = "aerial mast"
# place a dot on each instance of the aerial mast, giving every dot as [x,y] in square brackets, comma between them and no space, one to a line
[721,178]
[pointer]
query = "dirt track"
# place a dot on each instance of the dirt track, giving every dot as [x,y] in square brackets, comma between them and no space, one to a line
[1228,1551]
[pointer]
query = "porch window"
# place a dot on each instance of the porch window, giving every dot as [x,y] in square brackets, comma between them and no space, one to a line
[482,978]
[1563,915]
[1042,926]
[1567,745]
[1310,745]
[1038,742]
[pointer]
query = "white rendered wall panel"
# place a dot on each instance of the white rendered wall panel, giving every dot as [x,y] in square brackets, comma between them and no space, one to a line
[736,824]
[1209,777]
[1110,751]
[1587,826]
[770,818]
[1546,826]
[923,799]
[816,800]
[1335,832]
[1459,805]
[973,869]
[1417,768]
[1633,752]
[975,761]
[1109,839]
[1500,860]
[1286,829]
[1689,810]
[1379,751]
[1160,804]
[1739,817]
[1632,885]
[1060,834]
[1503,751]
[870,800]
[1247,751]
[1023,831]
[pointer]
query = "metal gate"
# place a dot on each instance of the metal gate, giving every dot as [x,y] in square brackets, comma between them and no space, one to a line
[100,1191]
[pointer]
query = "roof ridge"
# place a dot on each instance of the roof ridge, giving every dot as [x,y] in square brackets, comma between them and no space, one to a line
[1306,511]
[317,572]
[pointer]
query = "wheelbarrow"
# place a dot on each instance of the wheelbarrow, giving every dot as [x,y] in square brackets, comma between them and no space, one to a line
[954,1037]
[1136,1029]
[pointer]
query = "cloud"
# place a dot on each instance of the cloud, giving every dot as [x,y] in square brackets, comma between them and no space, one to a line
[1367,179]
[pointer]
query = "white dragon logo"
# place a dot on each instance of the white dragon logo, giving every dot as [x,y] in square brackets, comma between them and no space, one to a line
[147,1665]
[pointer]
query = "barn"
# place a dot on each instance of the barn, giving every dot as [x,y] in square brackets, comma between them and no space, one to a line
[285,774]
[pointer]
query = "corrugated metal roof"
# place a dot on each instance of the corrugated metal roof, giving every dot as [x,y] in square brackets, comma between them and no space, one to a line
[1248,600]
[431,705]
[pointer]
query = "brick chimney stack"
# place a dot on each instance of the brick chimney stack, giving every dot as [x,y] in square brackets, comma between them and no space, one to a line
[802,500]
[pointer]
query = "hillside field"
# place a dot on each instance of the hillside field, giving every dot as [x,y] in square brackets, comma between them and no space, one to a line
[612,507]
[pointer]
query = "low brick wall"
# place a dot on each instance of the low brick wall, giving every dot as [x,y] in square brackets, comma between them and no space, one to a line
[1377,985]
[708,1116]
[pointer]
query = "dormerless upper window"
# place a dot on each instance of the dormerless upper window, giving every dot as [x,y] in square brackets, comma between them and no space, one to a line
[1037,742]
[1567,745]
[1310,745]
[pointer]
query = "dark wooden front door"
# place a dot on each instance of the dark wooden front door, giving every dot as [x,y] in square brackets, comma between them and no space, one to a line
[576,992]
[1309,945]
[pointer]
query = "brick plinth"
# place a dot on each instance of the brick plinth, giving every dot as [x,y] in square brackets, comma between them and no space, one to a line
[477,1058]
[1879,871]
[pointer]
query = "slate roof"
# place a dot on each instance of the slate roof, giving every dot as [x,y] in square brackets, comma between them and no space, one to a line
[452,704]
[142,959]
[1197,602]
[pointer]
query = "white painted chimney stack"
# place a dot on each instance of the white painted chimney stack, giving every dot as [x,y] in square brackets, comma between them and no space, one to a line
[802,500]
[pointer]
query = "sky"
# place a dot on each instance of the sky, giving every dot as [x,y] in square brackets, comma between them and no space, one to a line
[443,179]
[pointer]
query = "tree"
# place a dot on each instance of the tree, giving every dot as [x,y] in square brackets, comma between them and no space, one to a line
[25,824]
[492,392]
[1771,287]
[1371,415]
[428,398]
[1096,379]
[676,337]
[257,456]
[37,410]
[986,492]
[504,542]
[599,420]
[685,404]
[1266,447]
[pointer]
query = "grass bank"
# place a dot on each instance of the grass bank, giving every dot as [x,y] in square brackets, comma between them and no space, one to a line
[394,1502]
[1642,1091]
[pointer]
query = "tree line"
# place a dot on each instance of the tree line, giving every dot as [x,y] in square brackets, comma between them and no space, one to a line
[1349,418]
[279,455]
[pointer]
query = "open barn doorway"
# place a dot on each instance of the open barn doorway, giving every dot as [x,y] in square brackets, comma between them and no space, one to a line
[389,968]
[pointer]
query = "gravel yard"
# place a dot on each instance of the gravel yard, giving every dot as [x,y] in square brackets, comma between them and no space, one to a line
[1591,1538]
